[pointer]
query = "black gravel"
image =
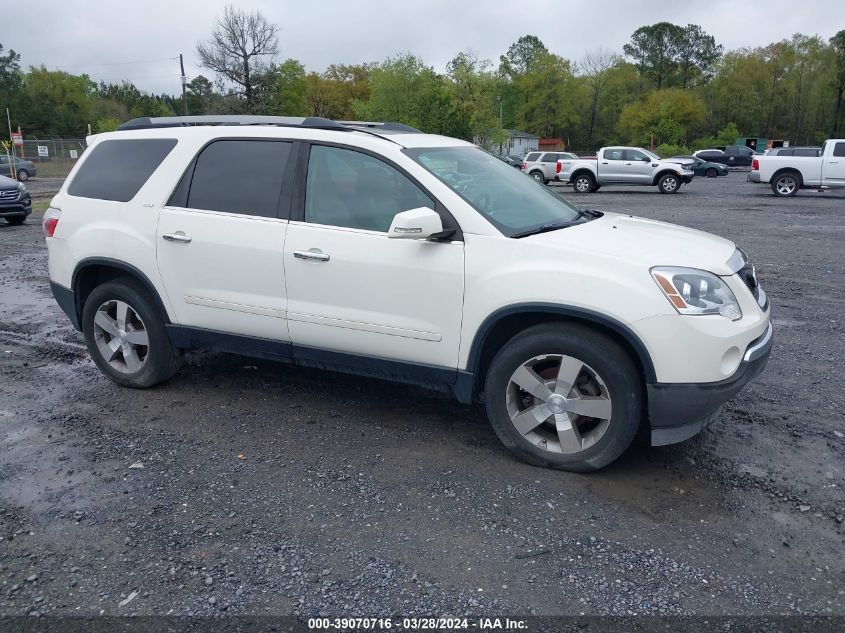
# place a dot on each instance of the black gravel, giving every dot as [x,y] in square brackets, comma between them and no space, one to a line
[244,487]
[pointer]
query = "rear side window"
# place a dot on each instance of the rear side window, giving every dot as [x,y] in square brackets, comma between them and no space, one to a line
[237,176]
[116,170]
[550,158]
[532,157]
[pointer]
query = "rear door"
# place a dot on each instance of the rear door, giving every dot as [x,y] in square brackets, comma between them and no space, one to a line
[834,166]
[549,163]
[221,237]
[611,164]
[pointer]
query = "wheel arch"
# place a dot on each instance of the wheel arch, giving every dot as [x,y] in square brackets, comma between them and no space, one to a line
[664,172]
[581,172]
[93,271]
[499,327]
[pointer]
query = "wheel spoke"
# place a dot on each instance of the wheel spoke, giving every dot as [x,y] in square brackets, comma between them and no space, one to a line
[528,420]
[529,381]
[567,374]
[106,323]
[567,433]
[109,350]
[138,337]
[591,407]
[130,357]
[122,313]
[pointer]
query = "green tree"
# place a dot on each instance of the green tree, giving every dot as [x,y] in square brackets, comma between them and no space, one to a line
[655,50]
[552,99]
[837,43]
[474,89]
[201,95]
[596,67]
[664,116]
[288,89]
[697,52]
[522,55]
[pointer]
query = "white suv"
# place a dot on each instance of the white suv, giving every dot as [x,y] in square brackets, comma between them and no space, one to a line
[379,250]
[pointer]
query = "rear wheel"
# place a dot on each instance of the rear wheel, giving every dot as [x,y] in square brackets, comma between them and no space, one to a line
[584,183]
[23,175]
[538,176]
[126,337]
[785,185]
[711,173]
[669,183]
[565,397]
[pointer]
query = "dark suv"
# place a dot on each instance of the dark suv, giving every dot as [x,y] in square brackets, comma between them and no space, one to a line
[15,203]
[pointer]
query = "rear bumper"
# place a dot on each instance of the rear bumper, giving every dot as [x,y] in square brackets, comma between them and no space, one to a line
[679,411]
[67,302]
[754,176]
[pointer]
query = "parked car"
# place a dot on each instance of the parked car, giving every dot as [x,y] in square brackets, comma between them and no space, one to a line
[513,161]
[732,156]
[543,167]
[407,256]
[626,166]
[812,152]
[787,174]
[701,167]
[23,169]
[15,201]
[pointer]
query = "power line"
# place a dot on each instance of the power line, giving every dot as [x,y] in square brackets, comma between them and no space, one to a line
[139,61]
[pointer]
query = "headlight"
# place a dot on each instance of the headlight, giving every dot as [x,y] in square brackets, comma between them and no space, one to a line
[21,186]
[695,292]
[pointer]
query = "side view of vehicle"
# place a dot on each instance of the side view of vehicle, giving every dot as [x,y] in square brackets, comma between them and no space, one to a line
[23,170]
[379,250]
[702,167]
[543,166]
[788,173]
[732,155]
[626,166]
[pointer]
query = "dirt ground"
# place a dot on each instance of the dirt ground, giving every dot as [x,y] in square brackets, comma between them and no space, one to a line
[245,487]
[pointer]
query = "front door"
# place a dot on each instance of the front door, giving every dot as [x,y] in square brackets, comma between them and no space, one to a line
[220,248]
[637,167]
[834,166]
[352,289]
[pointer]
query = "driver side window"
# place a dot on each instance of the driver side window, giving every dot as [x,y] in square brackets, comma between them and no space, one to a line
[355,190]
[635,155]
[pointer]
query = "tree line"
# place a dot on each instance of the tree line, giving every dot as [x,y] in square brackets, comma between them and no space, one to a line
[671,85]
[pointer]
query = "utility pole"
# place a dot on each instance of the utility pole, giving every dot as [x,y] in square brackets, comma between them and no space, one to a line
[499,99]
[184,79]
[12,143]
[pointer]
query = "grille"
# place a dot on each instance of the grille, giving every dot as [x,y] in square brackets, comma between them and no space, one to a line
[8,194]
[749,278]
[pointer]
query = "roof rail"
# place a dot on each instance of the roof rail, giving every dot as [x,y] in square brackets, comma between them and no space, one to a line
[146,123]
[389,126]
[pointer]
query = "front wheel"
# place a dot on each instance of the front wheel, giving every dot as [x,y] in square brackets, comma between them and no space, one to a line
[23,175]
[584,183]
[785,185]
[669,183]
[126,337]
[564,396]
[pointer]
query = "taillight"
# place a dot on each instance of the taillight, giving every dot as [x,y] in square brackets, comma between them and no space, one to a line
[50,221]
[755,165]
[522,166]
[557,169]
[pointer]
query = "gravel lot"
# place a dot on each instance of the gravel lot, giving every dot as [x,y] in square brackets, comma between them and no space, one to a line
[246,487]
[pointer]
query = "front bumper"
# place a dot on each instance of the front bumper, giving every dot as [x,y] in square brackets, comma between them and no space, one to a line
[21,206]
[687,177]
[677,411]
[754,176]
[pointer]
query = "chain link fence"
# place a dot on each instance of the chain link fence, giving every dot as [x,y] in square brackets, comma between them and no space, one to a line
[52,157]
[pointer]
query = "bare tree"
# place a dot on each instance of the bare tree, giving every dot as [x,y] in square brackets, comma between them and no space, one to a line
[237,50]
[595,67]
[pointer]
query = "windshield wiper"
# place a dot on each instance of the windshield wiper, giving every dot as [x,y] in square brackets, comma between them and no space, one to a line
[543,228]
[588,213]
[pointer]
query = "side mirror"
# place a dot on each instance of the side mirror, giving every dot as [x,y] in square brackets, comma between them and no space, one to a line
[415,224]
[645,159]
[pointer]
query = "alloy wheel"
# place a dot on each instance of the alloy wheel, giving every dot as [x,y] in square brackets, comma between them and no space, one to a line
[785,185]
[559,403]
[121,336]
[582,184]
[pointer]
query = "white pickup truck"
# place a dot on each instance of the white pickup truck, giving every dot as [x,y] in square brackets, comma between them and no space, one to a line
[625,166]
[788,174]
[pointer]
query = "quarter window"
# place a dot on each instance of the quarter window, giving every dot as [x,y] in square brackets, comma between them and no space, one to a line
[355,190]
[237,176]
[116,170]
[532,157]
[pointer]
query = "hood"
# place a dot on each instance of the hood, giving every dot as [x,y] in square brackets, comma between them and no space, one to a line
[678,160]
[7,182]
[645,242]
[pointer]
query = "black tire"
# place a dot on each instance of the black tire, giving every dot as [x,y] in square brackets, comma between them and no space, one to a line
[16,220]
[618,372]
[786,185]
[669,183]
[162,359]
[23,175]
[584,183]
[538,176]
[711,173]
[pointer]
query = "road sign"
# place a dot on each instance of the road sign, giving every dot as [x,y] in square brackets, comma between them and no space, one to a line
[73,153]
[43,152]
[17,138]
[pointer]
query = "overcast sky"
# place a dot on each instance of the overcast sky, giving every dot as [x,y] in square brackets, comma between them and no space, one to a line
[96,37]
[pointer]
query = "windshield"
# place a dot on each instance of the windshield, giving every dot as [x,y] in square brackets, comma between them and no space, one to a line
[512,201]
[651,154]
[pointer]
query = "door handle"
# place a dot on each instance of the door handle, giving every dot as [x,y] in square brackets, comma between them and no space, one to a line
[604,163]
[628,163]
[178,236]
[314,254]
